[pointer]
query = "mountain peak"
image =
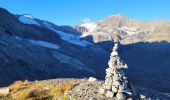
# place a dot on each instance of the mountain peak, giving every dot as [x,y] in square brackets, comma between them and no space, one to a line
[117,16]
[28,15]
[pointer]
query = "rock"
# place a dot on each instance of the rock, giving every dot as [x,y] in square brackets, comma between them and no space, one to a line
[114,89]
[116,78]
[120,96]
[107,86]
[114,53]
[109,70]
[92,79]
[116,83]
[115,46]
[109,94]
[92,99]
[121,88]
[142,96]
[102,91]
[4,91]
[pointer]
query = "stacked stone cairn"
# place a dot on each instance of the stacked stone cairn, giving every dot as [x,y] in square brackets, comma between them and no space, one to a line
[116,84]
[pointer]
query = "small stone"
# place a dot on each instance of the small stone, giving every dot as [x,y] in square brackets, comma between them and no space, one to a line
[142,96]
[92,79]
[109,94]
[4,91]
[120,96]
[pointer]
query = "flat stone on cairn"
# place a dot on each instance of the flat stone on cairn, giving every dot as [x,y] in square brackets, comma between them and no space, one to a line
[116,84]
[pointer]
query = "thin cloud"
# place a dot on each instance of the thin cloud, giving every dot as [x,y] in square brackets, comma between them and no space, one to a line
[86,20]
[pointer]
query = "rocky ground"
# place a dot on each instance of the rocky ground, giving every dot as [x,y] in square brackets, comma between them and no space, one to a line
[67,89]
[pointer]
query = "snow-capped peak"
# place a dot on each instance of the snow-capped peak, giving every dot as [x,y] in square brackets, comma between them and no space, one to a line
[28,15]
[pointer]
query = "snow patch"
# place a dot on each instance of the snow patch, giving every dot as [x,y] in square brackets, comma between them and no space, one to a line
[73,39]
[44,44]
[28,15]
[27,19]
[90,26]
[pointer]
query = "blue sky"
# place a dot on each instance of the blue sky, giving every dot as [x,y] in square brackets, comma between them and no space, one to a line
[72,12]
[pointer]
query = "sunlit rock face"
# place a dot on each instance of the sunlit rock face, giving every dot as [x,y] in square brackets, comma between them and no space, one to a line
[103,30]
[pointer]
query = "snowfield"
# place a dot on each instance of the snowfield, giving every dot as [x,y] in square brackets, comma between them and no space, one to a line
[44,44]
[69,37]
[73,39]
[41,43]
[28,19]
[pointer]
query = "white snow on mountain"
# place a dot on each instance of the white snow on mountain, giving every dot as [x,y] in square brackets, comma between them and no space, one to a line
[40,43]
[28,19]
[90,26]
[44,44]
[69,37]
[73,39]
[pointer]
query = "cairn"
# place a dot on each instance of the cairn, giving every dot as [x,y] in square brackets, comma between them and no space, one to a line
[116,84]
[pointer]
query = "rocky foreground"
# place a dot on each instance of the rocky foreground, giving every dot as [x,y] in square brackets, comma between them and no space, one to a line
[67,89]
